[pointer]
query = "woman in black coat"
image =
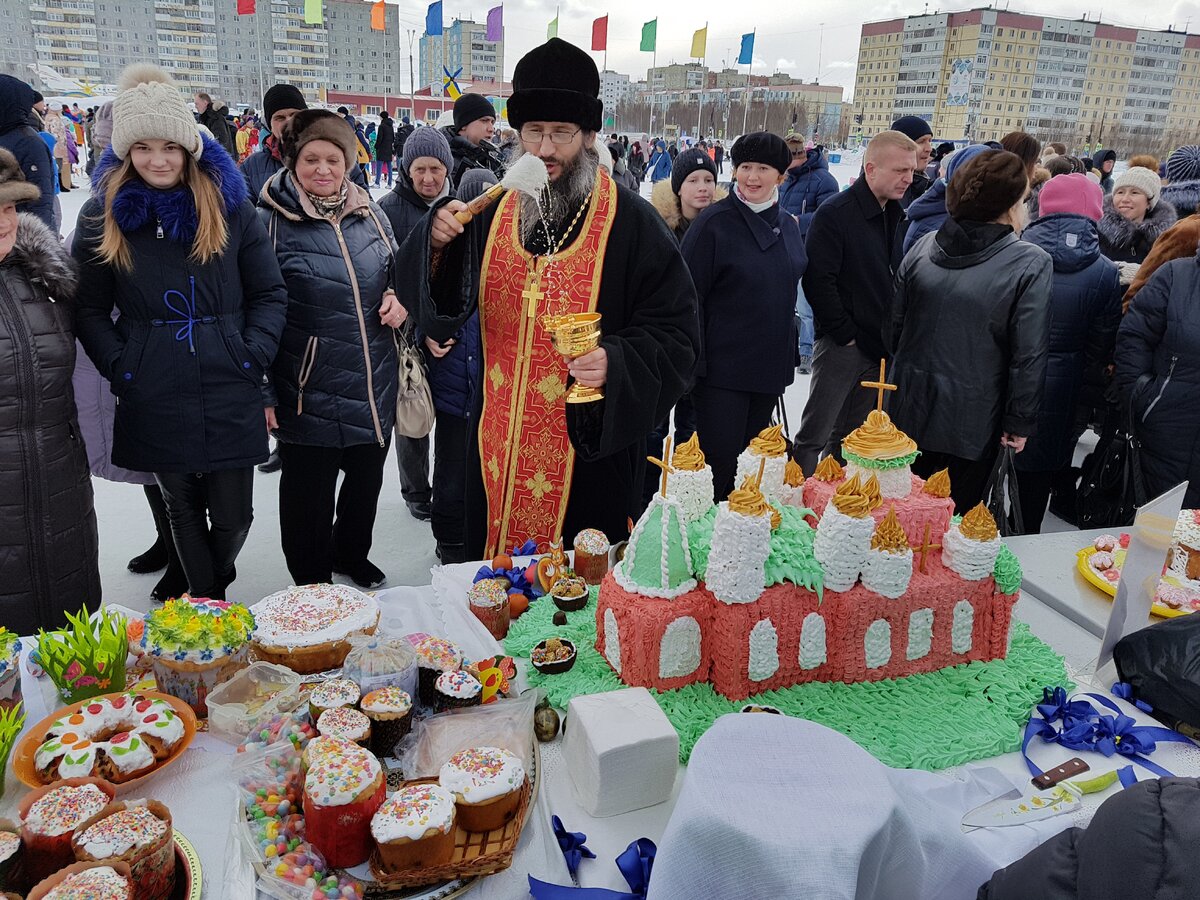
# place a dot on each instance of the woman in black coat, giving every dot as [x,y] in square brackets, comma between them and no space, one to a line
[171,240]
[970,324]
[49,561]
[335,377]
[1158,373]
[746,258]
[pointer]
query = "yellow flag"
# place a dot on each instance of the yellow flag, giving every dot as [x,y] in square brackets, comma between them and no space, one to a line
[699,43]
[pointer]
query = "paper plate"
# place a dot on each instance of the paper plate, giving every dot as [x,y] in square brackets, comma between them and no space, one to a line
[1110,587]
[189,882]
[23,754]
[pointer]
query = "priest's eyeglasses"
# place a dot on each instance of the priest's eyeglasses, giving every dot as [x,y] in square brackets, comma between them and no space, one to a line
[535,136]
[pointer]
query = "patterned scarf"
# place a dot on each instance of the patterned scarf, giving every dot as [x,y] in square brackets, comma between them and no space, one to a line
[329,207]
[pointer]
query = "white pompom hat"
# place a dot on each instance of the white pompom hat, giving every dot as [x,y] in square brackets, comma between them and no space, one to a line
[149,105]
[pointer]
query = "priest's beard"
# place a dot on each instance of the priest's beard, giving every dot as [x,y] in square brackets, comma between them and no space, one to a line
[561,199]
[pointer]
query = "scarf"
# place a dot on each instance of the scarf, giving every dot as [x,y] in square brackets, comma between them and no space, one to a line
[758,207]
[328,207]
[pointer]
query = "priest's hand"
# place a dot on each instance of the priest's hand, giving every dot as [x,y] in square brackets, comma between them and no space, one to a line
[445,227]
[591,369]
[438,350]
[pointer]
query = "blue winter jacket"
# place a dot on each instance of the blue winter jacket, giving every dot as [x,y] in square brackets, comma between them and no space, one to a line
[926,213]
[660,163]
[806,187]
[1085,311]
[22,140]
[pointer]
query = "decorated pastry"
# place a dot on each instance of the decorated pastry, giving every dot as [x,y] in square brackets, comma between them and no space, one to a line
[307,628]
[553,656]
[87,658]
[390,711]
[1101,560]
[415,828]
[486,783]
[343,788]
[457,689]
[1106,542]
[11,871]
[118,738]
[570,592]
[49,817]
[195,645]
[332,694]
[435,656]
[488,601]
[138,833]
[346,723]
[591,555]
[108,880]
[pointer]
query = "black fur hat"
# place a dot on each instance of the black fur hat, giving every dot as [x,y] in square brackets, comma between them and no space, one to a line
[556,82]
[762,147]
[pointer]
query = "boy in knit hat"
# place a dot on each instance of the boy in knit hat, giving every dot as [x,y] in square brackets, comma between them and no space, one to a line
[470,137]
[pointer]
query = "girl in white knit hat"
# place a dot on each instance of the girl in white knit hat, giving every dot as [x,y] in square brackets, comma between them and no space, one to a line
[171,241]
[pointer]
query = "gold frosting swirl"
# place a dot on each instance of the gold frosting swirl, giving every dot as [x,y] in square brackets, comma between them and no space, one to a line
[889,535]
[978,525]
[749,501]
[688,455]
[850,500]
[829,470]
[938,484]
[769,443]
[871,491]
[878,438]
[793,475]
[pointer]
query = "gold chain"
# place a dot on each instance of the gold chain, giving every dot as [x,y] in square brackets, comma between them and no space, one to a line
[550,257]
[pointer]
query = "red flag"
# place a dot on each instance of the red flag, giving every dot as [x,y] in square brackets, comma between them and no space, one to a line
[245,7]
[378,17]
[600,33]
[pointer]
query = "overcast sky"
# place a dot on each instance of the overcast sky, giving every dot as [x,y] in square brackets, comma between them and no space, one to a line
[790,36]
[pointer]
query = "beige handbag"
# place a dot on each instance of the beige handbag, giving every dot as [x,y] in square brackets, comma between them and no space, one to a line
[414,399]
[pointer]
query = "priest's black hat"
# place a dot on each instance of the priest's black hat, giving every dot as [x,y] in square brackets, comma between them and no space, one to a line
[556,82]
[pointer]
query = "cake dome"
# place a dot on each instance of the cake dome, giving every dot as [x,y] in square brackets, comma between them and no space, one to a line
[657,560]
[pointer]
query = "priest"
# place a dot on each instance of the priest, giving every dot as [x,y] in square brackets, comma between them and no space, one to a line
[539,468]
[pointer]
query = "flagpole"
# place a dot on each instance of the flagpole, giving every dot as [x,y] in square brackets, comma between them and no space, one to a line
[703,79]
[653,92]
[258,51]
[749,69]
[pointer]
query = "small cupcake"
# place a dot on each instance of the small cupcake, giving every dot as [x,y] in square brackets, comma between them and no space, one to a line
[108,880]
[11,874]
[390,712]
[49,817]
[332,694]
[345,722]
[139,833]
[434,656]
[488,600]
[591,555]
[415,828]
[570,593]
[454,690]
[486,783]
[553,656]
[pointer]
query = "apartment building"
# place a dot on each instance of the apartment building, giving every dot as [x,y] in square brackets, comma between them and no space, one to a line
[461,45]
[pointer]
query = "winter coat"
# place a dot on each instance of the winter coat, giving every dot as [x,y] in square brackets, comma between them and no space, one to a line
[57,129]
[49,560]
[1085,310]
[746,267]
[970,329]
[335,377]
[853,254]
[385,140]
[214,120]
[258,167]
[402,134]
[807,186]
[1184,196]
[1106,179]
[187,357]
[470,156]
[24,142]
[926,214]
[666,202]
[623,176]
[1177,242]
[1125,241]
[660,164]
[1158,371]
[1141,843]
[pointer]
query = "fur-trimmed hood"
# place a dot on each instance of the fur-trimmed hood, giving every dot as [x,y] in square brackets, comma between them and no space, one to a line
[1183,195]
[1120,232]
[138,203]
[41,253]
[667,204]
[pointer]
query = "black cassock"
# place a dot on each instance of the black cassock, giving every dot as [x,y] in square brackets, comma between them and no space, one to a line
[651,335]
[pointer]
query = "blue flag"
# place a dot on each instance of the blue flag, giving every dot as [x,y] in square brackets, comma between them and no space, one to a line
[746,55]
[433,19]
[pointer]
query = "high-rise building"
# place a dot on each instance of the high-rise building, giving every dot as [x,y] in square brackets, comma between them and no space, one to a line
[614,89]
[461,45]
[982,73]
[676,77]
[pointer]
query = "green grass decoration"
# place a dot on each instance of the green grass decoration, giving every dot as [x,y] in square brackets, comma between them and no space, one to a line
[12,720]
[932,721]
[87,658]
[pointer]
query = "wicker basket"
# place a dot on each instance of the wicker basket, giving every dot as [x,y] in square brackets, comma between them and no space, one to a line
[475,854]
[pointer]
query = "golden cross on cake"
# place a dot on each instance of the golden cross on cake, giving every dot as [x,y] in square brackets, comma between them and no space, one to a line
[663,464]
[881,385]
[923,547]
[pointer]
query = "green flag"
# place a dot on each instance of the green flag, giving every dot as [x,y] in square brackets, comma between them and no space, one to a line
[552,29]
[313,14]
[649,36]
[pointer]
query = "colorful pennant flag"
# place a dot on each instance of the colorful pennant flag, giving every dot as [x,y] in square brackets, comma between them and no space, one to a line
[649,36]
[746,56]
[433,19]
[245,7]
[314,14]
[378,17]
[600,33]
[699,42]
[552,29]
[495,24]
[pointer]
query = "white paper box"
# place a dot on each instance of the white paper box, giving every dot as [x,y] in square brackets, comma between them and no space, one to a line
[621,750]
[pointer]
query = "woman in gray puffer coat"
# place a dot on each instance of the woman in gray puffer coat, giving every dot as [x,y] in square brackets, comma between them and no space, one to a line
[335,376]
[49,559]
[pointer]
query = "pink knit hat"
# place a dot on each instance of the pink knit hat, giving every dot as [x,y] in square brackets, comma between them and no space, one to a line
[1072,193]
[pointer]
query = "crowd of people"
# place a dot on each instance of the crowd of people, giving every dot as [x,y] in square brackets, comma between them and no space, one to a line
[231,282]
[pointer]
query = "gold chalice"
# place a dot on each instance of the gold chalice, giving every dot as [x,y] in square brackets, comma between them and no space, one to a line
[574,335]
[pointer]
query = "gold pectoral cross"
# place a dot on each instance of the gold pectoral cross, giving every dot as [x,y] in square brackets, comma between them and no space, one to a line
[533,293]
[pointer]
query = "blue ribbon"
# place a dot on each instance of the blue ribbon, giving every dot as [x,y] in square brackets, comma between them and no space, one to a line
[1125,692]
[571,844]
[529,548]
[635,864]
[187,315]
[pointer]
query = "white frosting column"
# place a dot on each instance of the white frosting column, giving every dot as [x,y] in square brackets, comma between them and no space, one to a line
[841,547]
[737,562]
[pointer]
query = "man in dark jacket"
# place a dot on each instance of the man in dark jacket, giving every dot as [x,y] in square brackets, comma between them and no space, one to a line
[402,134]
[1104,162]
[852,258]
[470,137]
[807,184]
[212,117]
[385,139]
[922,134]
[21,139]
